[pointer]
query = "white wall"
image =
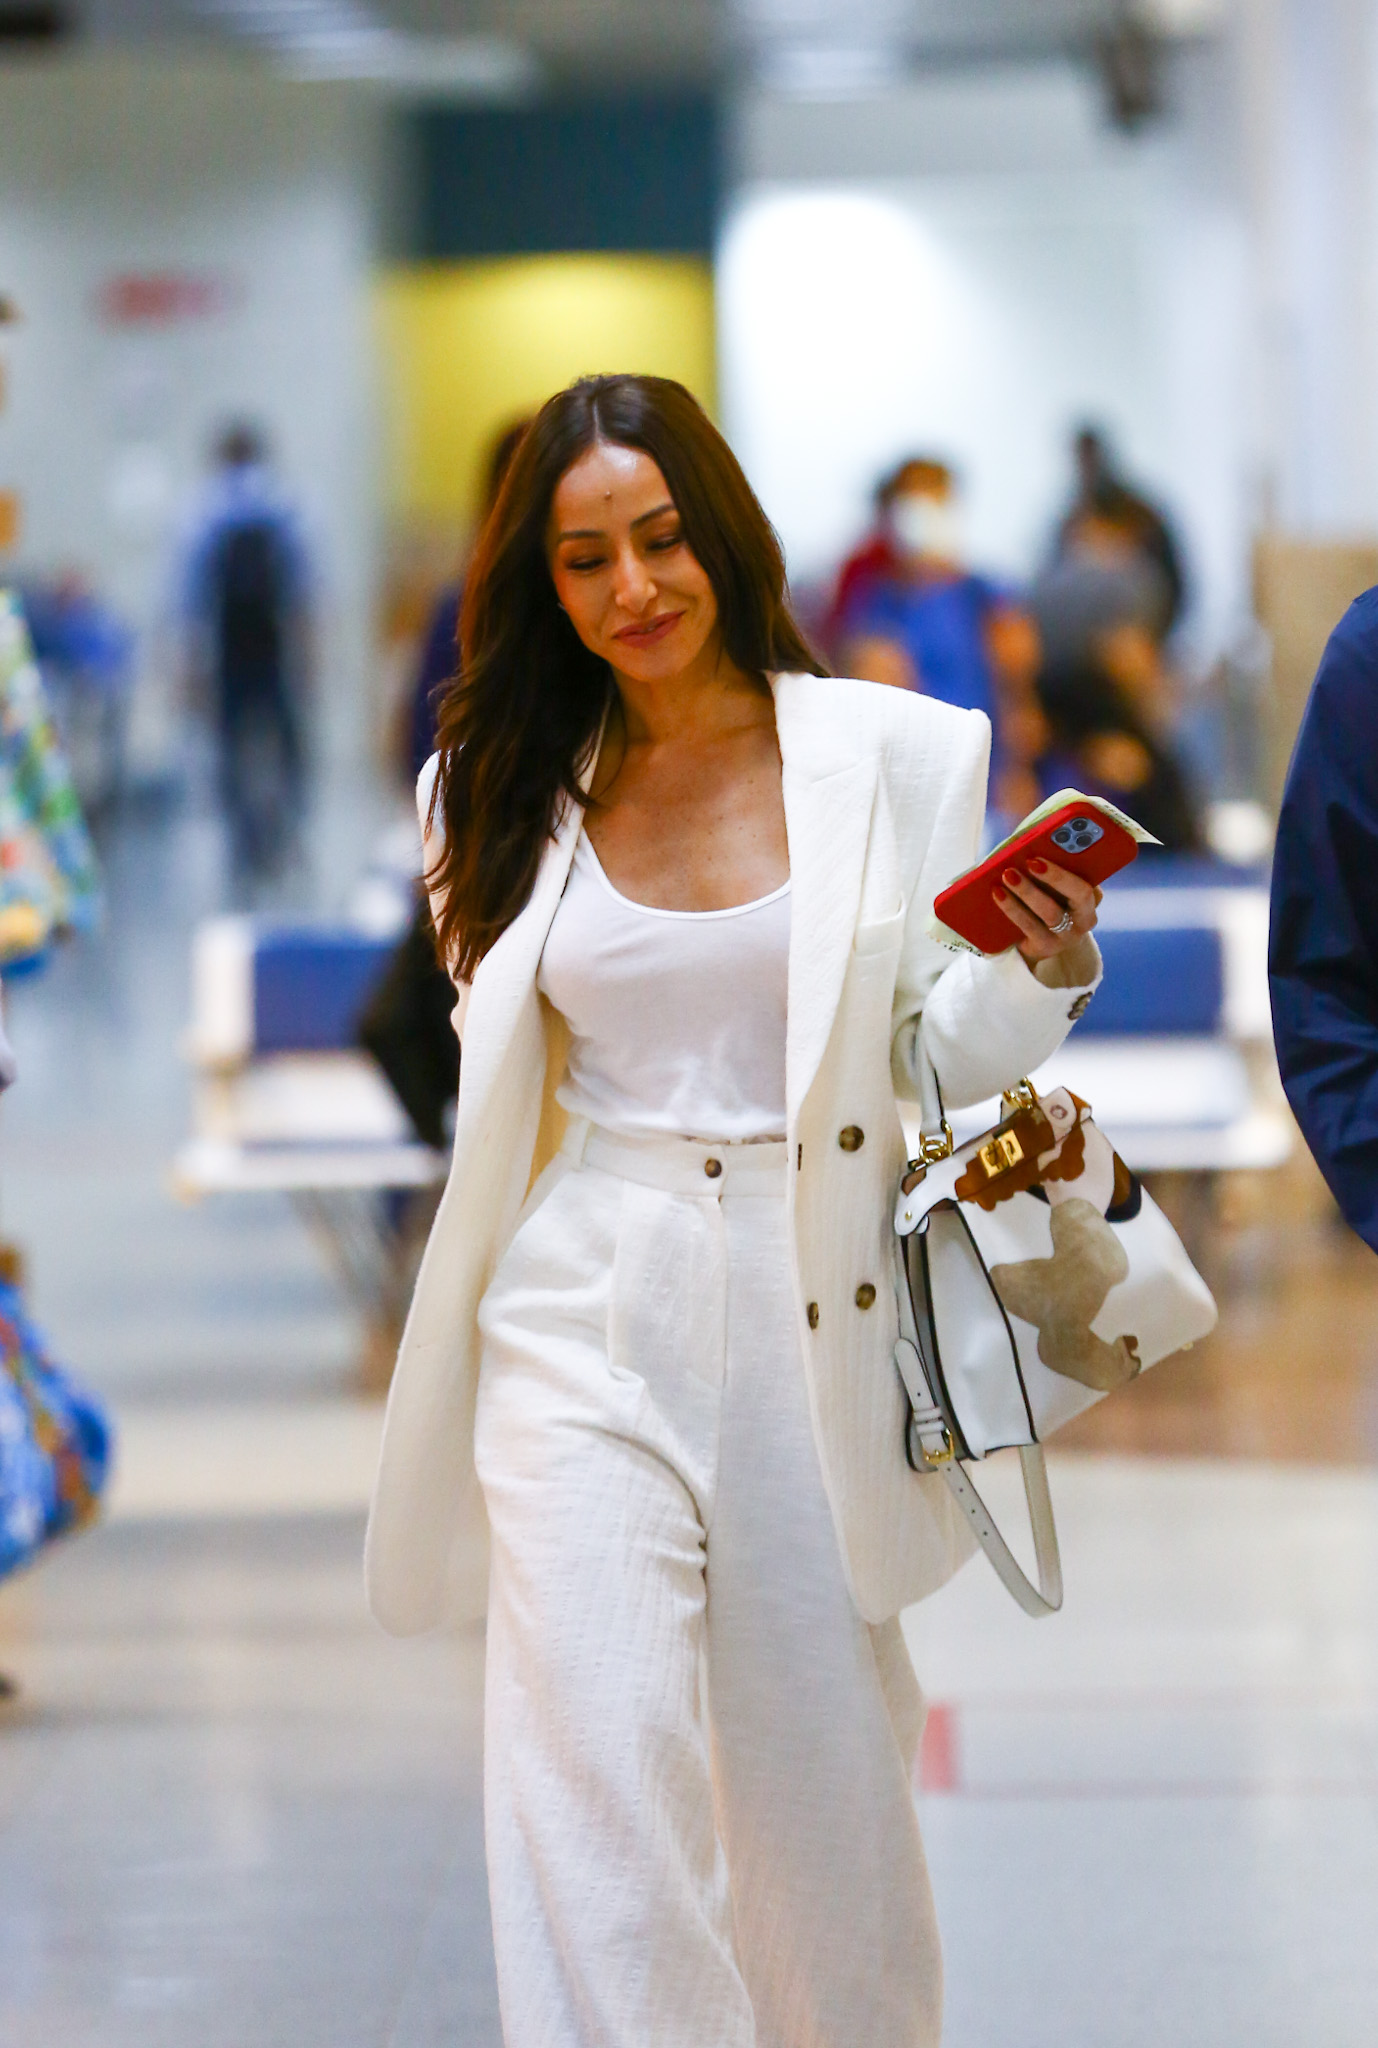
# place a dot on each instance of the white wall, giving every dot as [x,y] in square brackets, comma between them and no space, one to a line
[969,267]
[110,167]
[1308,76]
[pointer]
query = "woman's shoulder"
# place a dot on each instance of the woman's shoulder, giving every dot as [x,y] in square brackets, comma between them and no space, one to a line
[902,727]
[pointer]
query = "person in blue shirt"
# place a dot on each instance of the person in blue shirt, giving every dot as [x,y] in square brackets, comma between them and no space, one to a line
[1323,942]
[923,621]
[246,601]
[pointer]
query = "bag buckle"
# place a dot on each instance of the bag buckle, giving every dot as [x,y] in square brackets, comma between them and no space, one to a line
[945,1455]
[930,1459]
[999,1153]
[940,1146]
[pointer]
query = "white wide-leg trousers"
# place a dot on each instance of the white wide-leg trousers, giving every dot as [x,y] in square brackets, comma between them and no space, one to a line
[749,1876]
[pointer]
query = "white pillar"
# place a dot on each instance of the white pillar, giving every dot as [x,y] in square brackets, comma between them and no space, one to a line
[1310,155]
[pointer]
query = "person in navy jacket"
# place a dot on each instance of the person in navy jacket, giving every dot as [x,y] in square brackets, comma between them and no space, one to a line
[1323,944]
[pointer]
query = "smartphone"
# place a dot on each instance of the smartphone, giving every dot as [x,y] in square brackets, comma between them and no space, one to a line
[1077,836]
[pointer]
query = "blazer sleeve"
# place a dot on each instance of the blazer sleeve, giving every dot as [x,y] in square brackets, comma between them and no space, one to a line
[1323,941]
[432,845]
[983,1022]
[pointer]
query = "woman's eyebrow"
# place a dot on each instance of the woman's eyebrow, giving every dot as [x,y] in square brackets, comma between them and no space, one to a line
[600,533]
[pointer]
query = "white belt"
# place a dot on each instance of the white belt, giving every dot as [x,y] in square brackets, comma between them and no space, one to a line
[681,1166]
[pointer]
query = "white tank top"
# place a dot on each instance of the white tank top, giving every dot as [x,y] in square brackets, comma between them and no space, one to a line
[677,1016]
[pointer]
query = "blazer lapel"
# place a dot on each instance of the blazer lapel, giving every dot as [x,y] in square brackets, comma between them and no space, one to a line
[506,976]
[828,804]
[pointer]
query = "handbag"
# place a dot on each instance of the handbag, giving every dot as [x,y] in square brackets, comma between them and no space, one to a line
[55,1442]
[1036,1275]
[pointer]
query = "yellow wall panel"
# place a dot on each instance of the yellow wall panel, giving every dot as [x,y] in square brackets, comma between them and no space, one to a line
[467,347]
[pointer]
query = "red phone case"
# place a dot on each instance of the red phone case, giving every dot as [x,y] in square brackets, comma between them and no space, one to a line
[969,907]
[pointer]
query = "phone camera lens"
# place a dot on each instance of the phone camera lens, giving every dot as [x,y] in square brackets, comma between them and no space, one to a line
[1077,834]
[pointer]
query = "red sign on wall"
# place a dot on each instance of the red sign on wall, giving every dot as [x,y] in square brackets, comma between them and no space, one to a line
[161,298]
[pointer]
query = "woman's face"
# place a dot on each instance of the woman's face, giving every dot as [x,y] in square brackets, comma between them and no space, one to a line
[622,567]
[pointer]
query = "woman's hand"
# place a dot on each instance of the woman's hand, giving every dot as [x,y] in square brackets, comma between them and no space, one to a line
[1053,909]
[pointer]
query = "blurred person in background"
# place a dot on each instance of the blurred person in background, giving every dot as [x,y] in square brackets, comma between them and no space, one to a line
[1102,491]
[1323,943]
[665,851]
[246,600]
[86,653]
[406,1024]
[873,559]
[1094,739]
[909,613]
[435,668]
[55,1439]
[1114,587]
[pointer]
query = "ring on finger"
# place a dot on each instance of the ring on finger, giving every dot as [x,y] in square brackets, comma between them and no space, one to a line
[1063,925]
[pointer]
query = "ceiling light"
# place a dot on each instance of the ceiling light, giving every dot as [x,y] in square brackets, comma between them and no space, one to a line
[344,39]
[833,71]
[1182,17]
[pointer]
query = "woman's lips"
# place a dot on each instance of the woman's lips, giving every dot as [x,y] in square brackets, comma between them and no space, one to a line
[653,630]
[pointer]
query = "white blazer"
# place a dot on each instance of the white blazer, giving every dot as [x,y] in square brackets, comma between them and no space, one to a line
[884,795]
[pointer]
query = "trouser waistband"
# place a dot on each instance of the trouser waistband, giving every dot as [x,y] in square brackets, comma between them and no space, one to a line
[684,1166]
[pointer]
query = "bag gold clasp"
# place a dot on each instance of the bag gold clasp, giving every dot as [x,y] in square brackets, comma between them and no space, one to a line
[1000,1153]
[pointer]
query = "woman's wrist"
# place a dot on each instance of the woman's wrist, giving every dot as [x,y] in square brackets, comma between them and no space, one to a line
[1075,967]
[1056,913]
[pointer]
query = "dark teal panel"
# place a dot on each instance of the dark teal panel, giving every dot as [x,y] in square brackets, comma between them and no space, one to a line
[629,174]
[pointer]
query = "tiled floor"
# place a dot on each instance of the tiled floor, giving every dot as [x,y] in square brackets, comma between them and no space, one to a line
[232,1815]
[1155,1819]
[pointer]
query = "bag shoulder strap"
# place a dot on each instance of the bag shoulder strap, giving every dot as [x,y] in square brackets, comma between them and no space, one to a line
[1046,1596]
[931,1450]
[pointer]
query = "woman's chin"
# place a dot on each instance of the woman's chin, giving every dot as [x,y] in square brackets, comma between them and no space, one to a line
[661,661]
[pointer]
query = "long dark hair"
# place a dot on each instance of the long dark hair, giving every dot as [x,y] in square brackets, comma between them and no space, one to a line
[517,725]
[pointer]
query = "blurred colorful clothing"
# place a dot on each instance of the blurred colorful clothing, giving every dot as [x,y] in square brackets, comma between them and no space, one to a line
[942,624]
[48,876]
[55,1442]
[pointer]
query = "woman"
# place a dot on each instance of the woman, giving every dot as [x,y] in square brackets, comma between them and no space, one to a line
[682,881]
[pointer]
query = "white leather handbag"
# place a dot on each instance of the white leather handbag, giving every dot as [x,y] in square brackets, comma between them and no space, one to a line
[1036,1275]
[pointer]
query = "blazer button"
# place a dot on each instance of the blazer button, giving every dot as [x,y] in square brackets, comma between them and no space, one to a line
[865,1295]
[851,1138]
[712,1167]
[813,1315]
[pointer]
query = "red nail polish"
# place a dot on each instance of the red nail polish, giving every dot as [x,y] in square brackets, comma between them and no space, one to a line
[1010,877]
[1040,867]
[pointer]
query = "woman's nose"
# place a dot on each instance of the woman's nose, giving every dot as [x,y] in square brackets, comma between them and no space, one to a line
[632,584]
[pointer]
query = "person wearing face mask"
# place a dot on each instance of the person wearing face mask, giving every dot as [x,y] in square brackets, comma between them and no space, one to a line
[910,613]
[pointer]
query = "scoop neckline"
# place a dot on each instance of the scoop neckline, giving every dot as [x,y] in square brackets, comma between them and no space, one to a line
[659,910]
